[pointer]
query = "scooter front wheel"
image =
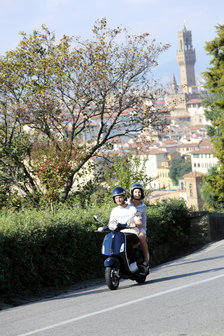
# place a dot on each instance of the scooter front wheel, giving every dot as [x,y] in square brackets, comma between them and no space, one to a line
[112,277]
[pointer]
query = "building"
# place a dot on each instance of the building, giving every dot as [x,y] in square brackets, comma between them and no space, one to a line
[163,178]
[193,182]
[191,194]
[202,160]
[184,100]
[187,147]
[152,160]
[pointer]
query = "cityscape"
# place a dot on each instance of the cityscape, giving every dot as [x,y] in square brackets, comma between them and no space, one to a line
[184,136]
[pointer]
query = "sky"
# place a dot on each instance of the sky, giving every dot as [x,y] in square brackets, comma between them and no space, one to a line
[161,18]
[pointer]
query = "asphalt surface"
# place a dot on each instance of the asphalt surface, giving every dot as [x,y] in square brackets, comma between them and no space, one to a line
[180,298]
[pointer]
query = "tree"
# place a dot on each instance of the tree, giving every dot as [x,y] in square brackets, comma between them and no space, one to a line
[117,170]
[215,74]
[124,171]
[214,104]
[179,167]
[214,180]
[209,193]
[73,97]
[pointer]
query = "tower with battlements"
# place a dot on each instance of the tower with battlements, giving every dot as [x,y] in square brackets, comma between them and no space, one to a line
[186,59]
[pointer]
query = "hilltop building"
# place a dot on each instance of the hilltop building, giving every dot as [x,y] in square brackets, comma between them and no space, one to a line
[184,100]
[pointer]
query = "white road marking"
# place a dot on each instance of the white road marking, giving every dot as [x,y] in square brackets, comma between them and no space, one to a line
[121,305]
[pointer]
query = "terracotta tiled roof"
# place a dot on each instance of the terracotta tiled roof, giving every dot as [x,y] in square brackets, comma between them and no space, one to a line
[191,144]
[159,103]
[117,140]
[156,151]
[207,150]
[205,143]
[151,152]
[197,127]
[193,174]
[194,101]
[169,142]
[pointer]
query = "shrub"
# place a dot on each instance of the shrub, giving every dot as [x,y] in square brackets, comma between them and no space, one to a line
[168,222]
[39,250]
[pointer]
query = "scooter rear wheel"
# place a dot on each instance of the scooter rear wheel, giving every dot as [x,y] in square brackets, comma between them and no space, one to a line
[141,279]
[111,277]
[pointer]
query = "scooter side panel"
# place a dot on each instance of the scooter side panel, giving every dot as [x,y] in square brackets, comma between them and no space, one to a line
[113,243]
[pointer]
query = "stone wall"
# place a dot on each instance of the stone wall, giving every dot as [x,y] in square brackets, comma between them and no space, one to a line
[206,227]
[199,231]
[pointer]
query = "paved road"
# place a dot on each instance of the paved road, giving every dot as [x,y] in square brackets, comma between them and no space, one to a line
[180,298]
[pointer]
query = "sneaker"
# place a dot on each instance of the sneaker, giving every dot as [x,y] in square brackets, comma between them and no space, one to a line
[133,267]
[145,267]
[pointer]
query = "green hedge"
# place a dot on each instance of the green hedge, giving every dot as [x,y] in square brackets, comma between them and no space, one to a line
[40,250]
[168,230]
[168,223]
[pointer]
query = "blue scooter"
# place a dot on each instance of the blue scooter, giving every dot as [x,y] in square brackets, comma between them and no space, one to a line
[123,257]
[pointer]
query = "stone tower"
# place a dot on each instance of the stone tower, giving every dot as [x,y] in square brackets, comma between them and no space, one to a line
[186,59]
[193,183]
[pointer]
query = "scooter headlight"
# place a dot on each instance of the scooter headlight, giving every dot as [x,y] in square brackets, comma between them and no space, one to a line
[122,247]
[103,249]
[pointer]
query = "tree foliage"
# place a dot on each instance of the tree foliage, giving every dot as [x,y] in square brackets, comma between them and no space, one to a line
[179,167]
[124,171]
[209,191]
[118,170]
[214,103]
[215,74]
[213,193]
[70,98]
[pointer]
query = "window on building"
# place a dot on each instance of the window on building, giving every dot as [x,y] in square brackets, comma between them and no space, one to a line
[191,190]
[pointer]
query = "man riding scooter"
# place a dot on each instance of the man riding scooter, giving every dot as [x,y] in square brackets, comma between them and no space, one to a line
[127,215]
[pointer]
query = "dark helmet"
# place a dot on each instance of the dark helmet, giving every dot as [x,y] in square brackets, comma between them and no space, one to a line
[137,186]
[118,191]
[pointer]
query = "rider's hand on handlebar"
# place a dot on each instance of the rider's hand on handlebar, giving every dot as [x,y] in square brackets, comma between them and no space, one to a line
[100,229]
[113,225]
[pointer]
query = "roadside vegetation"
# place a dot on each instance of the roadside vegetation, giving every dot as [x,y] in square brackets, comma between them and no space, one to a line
[41,250]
